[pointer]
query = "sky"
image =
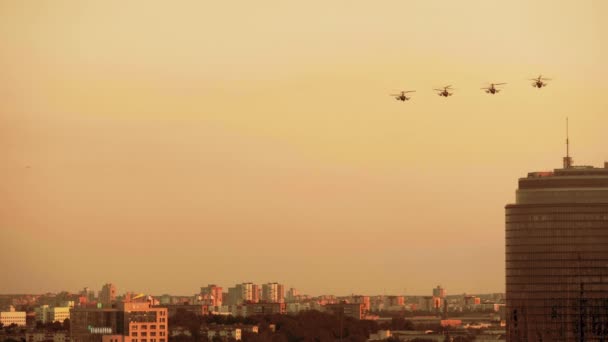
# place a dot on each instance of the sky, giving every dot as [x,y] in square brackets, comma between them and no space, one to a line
[163,146]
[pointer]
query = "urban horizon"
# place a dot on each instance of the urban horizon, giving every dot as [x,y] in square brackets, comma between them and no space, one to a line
[319,160]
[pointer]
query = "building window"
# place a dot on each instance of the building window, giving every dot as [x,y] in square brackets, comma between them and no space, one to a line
[153,333]
[162,327]
[153,327]
[143,333]
[134,334]
[144,326]
[162,340]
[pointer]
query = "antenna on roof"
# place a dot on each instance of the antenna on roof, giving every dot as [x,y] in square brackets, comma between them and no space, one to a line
[567,158]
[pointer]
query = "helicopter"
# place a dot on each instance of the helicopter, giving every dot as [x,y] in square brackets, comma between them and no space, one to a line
[492,88]
[402,96]
[444,92]
[538,82]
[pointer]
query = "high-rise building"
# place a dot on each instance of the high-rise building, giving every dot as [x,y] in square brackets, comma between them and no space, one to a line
[88,294]
[273,293]
[557,256]
[439,292]
[242,293]
[291,295]
[212,295]
[256,293]
[281,293]
[107,295]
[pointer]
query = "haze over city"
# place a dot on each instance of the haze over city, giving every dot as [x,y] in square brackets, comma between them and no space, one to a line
[256,141]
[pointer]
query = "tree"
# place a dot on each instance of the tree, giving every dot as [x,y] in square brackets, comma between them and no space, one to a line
[66,324]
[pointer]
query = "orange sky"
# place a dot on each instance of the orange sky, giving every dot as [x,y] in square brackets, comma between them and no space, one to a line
[166,146]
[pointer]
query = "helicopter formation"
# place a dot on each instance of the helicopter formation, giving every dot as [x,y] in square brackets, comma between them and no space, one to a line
[492,89]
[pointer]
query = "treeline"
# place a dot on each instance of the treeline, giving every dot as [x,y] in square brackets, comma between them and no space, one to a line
[303,327]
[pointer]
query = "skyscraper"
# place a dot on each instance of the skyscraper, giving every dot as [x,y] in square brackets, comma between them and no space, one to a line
[557,256]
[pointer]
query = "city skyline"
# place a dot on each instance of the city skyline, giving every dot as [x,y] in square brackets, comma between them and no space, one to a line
[202,141]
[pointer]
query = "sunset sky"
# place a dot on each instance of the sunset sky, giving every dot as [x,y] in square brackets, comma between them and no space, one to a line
[163,146]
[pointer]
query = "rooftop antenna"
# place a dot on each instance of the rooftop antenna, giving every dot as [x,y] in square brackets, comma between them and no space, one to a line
[567,158]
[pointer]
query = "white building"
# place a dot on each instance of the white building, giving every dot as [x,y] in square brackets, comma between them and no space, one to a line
[225,333]
[10,317]
[46,314]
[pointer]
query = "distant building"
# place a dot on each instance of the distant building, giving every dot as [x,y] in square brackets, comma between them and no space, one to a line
[439,292]
[395,301]
[426,303]
[291,295]
[242,293]
[12,316]
[88,294]
[47,337]
[47,314]
[197,309]
[224,333]
[107,295]
[265,308]
[256,293]
[362,300]
[354,310]
[273,292]
[212,295]
[134,321]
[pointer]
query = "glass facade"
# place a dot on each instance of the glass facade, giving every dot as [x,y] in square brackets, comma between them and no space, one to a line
[557,258]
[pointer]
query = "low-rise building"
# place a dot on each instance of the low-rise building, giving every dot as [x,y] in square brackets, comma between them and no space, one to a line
[47,314]
[13,317]
[224,333]
[265,308]
[47,337]
[354,310]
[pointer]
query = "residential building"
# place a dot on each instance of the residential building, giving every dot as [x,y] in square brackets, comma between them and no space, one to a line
[273,292]
[354,310]
[197,309]
[263,308]
[439,292]
[212,295]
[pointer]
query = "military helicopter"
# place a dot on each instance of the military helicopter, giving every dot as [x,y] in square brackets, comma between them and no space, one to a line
[492,88]
[538,82]
[402,96]
[444,92]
